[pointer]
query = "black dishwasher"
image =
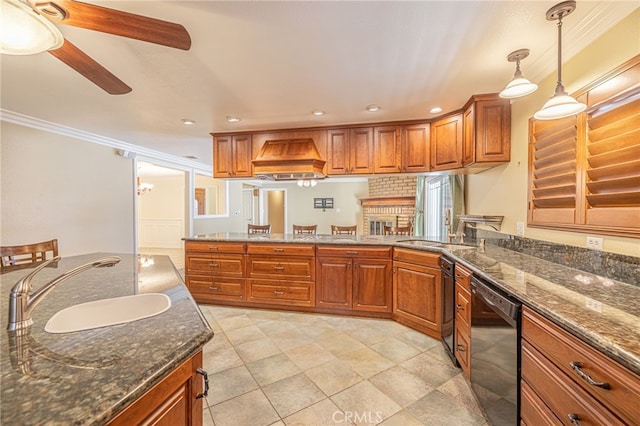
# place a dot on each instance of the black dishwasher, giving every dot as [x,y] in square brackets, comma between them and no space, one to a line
[495,352]
[448,300]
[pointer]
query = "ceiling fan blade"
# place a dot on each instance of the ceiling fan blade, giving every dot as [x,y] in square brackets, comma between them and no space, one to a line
[81,62]
[116,22]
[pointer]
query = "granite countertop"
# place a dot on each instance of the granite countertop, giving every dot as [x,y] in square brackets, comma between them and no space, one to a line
[599,310]
[87,377]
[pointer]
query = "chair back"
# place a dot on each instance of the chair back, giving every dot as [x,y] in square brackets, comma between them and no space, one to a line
[397,230]
[258,229]
[344,230]
[304,229]
[12,256]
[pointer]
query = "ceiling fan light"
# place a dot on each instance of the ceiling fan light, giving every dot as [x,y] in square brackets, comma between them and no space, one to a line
[561,105]
[25,32]
[518,87]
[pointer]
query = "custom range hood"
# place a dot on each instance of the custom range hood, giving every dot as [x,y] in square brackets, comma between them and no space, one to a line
[288,159]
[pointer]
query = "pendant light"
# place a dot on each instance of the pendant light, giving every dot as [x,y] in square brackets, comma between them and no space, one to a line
[519,86]
[24,32]
[561,104]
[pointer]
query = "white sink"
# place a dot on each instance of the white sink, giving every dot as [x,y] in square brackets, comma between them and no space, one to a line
[106,312]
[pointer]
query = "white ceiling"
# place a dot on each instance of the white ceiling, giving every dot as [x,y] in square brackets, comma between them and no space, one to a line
[272,63]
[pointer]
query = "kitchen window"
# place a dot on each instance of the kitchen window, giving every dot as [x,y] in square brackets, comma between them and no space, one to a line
[436,202]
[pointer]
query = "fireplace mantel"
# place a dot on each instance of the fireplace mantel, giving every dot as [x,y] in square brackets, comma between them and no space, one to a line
[388,201]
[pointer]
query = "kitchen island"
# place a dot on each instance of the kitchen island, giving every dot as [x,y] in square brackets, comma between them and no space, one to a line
[92,376]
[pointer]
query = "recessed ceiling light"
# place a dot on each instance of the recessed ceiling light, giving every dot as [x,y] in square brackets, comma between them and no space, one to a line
[373,108]
[232,119]
[188,121]
[435,110]
[318,112]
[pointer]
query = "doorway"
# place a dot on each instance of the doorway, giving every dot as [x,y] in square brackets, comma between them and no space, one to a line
[274,209]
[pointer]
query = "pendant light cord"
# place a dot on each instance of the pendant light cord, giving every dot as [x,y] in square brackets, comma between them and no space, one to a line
[559,85]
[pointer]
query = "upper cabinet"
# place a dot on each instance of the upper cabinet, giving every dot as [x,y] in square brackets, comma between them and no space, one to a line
[487,131]
[350,151]
[415,148]
[446,143]
[386,146]
[584,171]
[232,156]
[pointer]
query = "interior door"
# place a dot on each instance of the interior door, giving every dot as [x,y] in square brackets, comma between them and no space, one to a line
[247,208]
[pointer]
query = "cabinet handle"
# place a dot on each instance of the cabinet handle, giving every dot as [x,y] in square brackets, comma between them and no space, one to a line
[352,252]
[278,268]
[577,367]
[459,307]
[214,265]
[278,250]
[279,293]
[574,419]
[213,247]
[214,288]
[206,384]
[460,348]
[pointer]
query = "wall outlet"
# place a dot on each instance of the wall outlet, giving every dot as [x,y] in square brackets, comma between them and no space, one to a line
[519,276]
[594,243]
[594,305]
[520,228]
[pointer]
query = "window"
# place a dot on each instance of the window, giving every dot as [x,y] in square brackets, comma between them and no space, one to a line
[210,196]
[437,201]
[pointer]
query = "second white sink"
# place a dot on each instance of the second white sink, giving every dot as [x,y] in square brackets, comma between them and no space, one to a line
[107,312]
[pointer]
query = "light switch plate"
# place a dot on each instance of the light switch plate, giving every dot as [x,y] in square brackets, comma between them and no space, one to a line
[520,228]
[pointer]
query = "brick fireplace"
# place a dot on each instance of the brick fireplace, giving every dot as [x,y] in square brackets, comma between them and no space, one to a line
[391,202]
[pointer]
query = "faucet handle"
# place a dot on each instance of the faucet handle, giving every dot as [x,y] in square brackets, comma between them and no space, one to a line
[24,284]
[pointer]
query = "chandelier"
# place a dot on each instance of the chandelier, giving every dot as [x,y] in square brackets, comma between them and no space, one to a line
[144,187]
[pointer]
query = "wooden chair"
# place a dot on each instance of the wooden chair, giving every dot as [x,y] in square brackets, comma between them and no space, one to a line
[259,229]
[24,255]
[304,229]
[397,230]
[344,230]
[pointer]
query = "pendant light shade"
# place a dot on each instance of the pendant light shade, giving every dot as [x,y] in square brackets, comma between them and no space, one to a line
[561,104]
[24,32]
[519,86]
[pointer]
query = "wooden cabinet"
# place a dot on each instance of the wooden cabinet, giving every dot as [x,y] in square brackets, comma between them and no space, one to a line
[281,274]
[564,377]
[214,271]
[463,307]
[171,402]
[350,151]
[446,143]
[415,148]
[417,290]
[354,279]
[486,131]
[232,156]
[584,170]
[386,149]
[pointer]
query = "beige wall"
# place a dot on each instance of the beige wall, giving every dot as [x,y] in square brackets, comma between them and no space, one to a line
[53,186]
[503,190]
[232,222]
[164,200]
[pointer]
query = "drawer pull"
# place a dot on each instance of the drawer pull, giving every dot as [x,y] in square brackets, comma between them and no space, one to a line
[574,419]
[459,307]
[205,377]
[577,367]
[352,252]
[278,268]
[278,250]
[214,288]
[214,265]
[213,247]
[460,348]
[279,293]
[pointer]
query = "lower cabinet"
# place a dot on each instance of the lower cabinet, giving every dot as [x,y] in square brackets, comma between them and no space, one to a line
[174,401]
[463,307]
[565,381]
[354,279]
[417,291]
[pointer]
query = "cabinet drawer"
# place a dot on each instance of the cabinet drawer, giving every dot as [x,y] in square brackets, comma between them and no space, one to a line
[463,276]
[563,349]
[220,264]
[299,268]
[213,247]
[218,287]
[280,249]
[533,411]
[281,292]
[560,394]
[417,257]
[352,251]
[462,349]
[463,307]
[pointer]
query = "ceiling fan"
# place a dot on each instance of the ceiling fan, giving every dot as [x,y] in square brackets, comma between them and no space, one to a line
[17,13]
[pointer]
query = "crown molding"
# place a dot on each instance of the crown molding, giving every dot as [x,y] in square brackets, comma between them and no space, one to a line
[131,149]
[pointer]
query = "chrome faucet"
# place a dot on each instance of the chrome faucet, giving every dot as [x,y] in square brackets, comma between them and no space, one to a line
[22,302]
[451,236]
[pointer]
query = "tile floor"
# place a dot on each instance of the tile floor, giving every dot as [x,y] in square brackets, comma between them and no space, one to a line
[285,368]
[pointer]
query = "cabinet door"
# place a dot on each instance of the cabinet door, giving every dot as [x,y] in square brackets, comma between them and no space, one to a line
[222,157]
[334,282]
[386,142]
[469,136]
[338,151]
[415,148]
[361,150]
[242,156]
[372,284]
[446,143]
[493,131]
[417,295]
